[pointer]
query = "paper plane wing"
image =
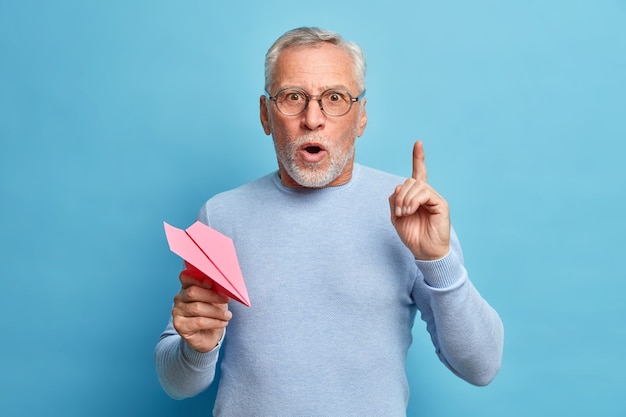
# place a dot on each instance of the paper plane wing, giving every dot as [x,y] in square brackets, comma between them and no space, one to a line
[213,254]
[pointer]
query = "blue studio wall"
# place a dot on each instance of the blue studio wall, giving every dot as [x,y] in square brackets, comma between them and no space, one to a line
[118,115]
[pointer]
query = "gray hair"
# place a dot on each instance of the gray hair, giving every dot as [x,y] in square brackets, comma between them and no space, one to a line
[310,36]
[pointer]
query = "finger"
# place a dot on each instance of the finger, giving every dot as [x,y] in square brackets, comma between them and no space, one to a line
[405,197]
[423,199]
[399,196]
[195,290]
[196,278]
[189,277]
[203,295]
[393,208]
[413,195]
[217,311]
[188,326]
[419,166]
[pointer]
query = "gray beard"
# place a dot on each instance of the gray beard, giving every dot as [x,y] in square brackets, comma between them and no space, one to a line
[311,174]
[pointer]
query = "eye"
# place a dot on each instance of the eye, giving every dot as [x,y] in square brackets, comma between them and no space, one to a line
[335,97]
[294,96]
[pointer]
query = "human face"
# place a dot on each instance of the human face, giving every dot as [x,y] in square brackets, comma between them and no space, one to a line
[313,149]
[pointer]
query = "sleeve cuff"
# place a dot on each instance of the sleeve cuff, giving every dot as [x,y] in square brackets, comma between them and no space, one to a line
[442,273]
[200,359]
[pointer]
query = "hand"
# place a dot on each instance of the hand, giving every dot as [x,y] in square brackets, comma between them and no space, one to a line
[420,215]
[200,314]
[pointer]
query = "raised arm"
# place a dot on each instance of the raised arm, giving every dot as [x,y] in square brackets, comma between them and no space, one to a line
[466,332]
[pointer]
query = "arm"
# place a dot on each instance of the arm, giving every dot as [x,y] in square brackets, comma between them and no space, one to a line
[466,331]
[182,371]
[187,352]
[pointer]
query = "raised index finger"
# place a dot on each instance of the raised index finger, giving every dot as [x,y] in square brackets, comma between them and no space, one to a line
[419,166]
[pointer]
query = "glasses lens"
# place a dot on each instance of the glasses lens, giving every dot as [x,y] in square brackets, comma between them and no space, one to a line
[291,102]
[336,103]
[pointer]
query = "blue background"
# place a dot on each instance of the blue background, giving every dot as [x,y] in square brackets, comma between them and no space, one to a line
[118,115]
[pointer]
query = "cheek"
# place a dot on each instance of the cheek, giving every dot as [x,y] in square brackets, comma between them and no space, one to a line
[351,130]
[283,127]
[280,135]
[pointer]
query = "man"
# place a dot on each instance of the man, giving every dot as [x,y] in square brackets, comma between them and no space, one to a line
[334,284]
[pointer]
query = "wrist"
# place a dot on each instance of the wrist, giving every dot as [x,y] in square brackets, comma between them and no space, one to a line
[444,273]
[432,255]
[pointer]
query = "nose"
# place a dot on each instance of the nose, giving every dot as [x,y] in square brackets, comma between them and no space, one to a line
[313,117]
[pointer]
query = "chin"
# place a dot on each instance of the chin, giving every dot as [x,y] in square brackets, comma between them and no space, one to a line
[311,177]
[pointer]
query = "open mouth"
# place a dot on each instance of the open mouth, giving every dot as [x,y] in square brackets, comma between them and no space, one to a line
[313,149]
[312,152]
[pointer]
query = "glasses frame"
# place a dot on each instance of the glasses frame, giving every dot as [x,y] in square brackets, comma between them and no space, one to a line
[317,98]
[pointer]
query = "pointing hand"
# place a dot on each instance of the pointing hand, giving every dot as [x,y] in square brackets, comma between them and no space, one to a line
[419,214]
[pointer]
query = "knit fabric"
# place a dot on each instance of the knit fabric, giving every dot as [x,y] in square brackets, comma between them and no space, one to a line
[334,295]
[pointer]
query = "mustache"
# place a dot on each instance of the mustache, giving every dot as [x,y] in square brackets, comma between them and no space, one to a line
[308,138]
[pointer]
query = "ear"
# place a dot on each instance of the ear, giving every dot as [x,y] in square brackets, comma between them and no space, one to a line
[362,118]
[264,113]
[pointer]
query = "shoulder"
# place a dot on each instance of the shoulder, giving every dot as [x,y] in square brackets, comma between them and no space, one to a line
[240,198]
[246,191]
[377,173]
[372,178]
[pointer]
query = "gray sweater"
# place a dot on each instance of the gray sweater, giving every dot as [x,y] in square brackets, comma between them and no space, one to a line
[334,294]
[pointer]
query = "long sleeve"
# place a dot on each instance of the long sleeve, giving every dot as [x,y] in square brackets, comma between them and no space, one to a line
[182,371]
[467,332]
[318,275]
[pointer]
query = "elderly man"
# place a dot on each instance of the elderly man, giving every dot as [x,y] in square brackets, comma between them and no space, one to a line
[337,258]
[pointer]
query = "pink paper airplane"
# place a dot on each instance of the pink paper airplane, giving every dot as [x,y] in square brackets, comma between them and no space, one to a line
[213,254]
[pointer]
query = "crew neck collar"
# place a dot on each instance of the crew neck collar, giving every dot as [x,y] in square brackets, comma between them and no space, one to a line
[356,169]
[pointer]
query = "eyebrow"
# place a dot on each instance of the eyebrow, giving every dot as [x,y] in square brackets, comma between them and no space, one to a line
[322,89]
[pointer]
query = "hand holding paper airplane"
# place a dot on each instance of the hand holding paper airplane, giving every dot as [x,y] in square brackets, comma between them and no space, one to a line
[211,253]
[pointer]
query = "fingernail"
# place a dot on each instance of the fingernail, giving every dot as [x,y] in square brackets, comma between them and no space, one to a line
[398,211]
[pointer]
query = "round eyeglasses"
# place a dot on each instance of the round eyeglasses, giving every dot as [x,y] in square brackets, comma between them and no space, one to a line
[293,101]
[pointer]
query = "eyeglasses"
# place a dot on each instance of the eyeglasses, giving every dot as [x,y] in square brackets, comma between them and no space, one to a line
[293,101]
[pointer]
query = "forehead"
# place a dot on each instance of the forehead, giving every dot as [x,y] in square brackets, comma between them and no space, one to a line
[315,68]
